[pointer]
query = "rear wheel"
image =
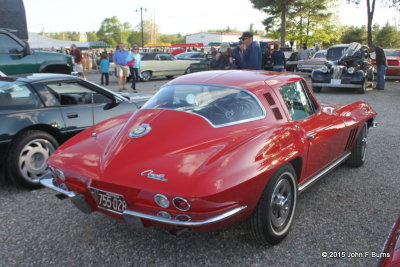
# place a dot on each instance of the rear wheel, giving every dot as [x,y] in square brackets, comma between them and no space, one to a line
[359,150]
[27,160]
[146,75]
[271,219]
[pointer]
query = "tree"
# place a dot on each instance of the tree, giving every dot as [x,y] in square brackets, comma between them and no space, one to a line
[91,36]
[388,37]
[275,9]
[355,34]
[371,10]
[110,31]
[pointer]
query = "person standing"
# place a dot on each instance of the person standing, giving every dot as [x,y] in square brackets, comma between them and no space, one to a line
[122,69]
[381,64]
[224,58]
[134,57]
[238,54]
[252,58]
[104,65]
[278,59]
[303,53]
[77,54]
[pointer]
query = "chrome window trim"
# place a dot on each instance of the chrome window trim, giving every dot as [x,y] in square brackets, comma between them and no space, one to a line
[264,115]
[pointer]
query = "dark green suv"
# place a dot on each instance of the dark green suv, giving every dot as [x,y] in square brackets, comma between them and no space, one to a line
[16,57]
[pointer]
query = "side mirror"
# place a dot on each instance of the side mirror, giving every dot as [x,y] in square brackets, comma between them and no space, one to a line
[27,49]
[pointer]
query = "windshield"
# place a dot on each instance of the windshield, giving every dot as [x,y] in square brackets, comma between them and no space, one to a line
[320,54]
[219,105]
[353,50]
[334,53]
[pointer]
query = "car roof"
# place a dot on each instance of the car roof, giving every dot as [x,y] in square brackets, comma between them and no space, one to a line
[38,77]
[245,79]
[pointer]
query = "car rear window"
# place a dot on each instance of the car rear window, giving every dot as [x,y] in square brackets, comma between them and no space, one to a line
[219,105]
[17,96]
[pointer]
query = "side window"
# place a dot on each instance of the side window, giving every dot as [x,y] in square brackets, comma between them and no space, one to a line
[9,45]
[76,94]
[297,101]
[18,96]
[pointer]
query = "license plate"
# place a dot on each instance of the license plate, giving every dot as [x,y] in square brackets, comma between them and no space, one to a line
[336,81]
[109,201]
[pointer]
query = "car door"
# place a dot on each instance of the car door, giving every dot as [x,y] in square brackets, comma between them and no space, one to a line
[82,104]
[323,131]
[171,66]
[12,57]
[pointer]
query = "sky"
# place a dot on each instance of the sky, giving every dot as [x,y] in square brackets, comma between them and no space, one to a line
[172,16]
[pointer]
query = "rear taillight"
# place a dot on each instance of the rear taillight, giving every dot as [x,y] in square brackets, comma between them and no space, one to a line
[393,62]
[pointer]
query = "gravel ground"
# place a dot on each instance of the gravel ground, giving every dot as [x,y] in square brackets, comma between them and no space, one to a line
[349,210]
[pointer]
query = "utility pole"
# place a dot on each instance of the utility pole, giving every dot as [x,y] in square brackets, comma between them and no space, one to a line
[141,22]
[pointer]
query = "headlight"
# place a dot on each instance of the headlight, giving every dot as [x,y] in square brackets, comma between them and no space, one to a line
[350,70]
[324,69]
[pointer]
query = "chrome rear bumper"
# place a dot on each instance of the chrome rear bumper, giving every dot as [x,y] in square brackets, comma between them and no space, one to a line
[132,217]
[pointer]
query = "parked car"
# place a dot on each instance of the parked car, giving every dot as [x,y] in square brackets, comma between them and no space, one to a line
[240,145]
[390,256]
[352,69]
[191,56]
[393,61]
[163,64]
[315,62]
[16,57]
[41,111]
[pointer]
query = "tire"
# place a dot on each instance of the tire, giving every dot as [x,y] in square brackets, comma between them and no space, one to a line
[270,221]
[146,76]
[27,160]
[363,88]
[187,71]
[317,89]
[169,76]
[359,150]
[370,75]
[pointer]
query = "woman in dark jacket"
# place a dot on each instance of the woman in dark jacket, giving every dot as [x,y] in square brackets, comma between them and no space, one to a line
[278,59]
[223,58]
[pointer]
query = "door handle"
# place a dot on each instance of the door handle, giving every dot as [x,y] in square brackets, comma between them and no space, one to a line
[310,136]
[72,115]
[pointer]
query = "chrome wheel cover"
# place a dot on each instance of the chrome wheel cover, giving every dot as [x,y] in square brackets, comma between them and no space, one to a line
[33,159]
[146,75]
[282,204]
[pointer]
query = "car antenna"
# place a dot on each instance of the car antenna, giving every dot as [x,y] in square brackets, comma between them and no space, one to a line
[93,122]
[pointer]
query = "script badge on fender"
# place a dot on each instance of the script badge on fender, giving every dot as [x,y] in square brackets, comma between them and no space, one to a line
[152,175]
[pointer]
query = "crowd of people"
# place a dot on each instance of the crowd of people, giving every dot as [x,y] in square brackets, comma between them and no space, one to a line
[246,55]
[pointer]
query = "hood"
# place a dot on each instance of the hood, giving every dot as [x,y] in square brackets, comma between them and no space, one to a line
[180,148]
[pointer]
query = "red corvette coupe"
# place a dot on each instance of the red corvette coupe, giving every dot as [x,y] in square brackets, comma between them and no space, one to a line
[211,149]
[390,257]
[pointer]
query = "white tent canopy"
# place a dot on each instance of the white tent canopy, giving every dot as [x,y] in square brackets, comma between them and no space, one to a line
[42,42]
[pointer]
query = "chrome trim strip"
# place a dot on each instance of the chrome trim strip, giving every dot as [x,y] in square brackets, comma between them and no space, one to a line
[48,182]
[344,85]
[323,172]
[128,213]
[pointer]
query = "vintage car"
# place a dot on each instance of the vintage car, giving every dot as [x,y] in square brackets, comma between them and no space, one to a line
[40,111]
[191,56]
[315,62]
[240,146]
[349,68]
[393,61]
[163,64]
[390,256]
